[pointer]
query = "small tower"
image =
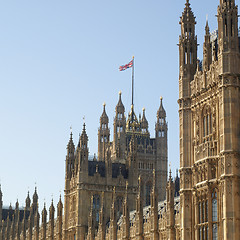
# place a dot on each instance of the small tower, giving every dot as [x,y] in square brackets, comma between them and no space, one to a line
[113,217]
[188,45]
[83,151]
[154,209]
[59,219]
[170,208]
[207,50]
[139,211]
[103,135]
[44,222]
[28,202]
[228,54]
[144,124]
[102,224]
[126,220]
[35,201]
[70,158]
[51,221]
[119,130]
[161,132]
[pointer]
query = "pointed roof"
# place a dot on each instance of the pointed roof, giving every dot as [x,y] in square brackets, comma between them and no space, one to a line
[120,107]
[144,121]
[104,116]
[84,133]
[161,111]
[35,196]
[207,30]
[70,142]
[187,15]
[28,200]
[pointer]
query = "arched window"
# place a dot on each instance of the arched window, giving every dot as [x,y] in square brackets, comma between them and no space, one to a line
[96,206]
[207,122]
[214,216]
[148,193]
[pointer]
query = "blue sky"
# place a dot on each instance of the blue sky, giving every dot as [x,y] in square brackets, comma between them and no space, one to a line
[59,62]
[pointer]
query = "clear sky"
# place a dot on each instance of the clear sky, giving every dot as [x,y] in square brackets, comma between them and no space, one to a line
[59,62]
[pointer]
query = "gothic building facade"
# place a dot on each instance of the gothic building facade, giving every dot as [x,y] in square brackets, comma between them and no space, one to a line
[124,192]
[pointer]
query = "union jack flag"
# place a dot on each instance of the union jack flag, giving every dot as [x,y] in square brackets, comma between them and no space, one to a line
[126,66]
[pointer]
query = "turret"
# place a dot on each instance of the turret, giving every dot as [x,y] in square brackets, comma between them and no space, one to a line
[44,222]
[60,218]
[126,221]
[35,201]
[36,224]
[51,221]
[103,135]
[207,50]
[83,151]
[154,209]
[161,133]
[170,208]
[28,201]
[228,54]
[113,218]
[102,224]
[144,124]
[70,158]
[187,47]
[91,222]
[119,130]
[139,211]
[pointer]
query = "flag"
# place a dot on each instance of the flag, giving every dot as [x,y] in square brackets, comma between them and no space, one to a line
[126,66]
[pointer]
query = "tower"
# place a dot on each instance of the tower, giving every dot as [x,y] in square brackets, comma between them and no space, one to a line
[103,135]
[228,40]
[161,131]
[119,130]
[209,115]
[187,69]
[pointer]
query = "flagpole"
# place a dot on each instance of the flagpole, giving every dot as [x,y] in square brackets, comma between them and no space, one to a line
[133,82]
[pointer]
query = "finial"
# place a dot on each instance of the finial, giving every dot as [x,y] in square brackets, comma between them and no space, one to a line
[143,109]
[161,98]
[170,172]
[132,107]
[104,104]
[207,18]
[71,129]
[133,57]
[120,93]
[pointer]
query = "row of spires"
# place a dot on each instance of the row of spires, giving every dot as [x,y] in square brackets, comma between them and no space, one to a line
[113,227]
[26,223]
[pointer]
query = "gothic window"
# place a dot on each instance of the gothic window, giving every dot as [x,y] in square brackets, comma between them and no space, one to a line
[214,216]
[104,126]
[96,206]
[203,219]
[120,116]
[186,56]
[148,193]
[207,123]
[119,129]
[160,133]
[191,56]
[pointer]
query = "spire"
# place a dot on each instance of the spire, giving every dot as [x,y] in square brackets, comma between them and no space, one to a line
[144,123]
[161,111]
[70,145]
[59,206]
[104,116]
[120,104]
[28,201]
[84,138]
[35,196]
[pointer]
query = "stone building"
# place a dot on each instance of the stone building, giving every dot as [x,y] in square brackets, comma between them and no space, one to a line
[110,198]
